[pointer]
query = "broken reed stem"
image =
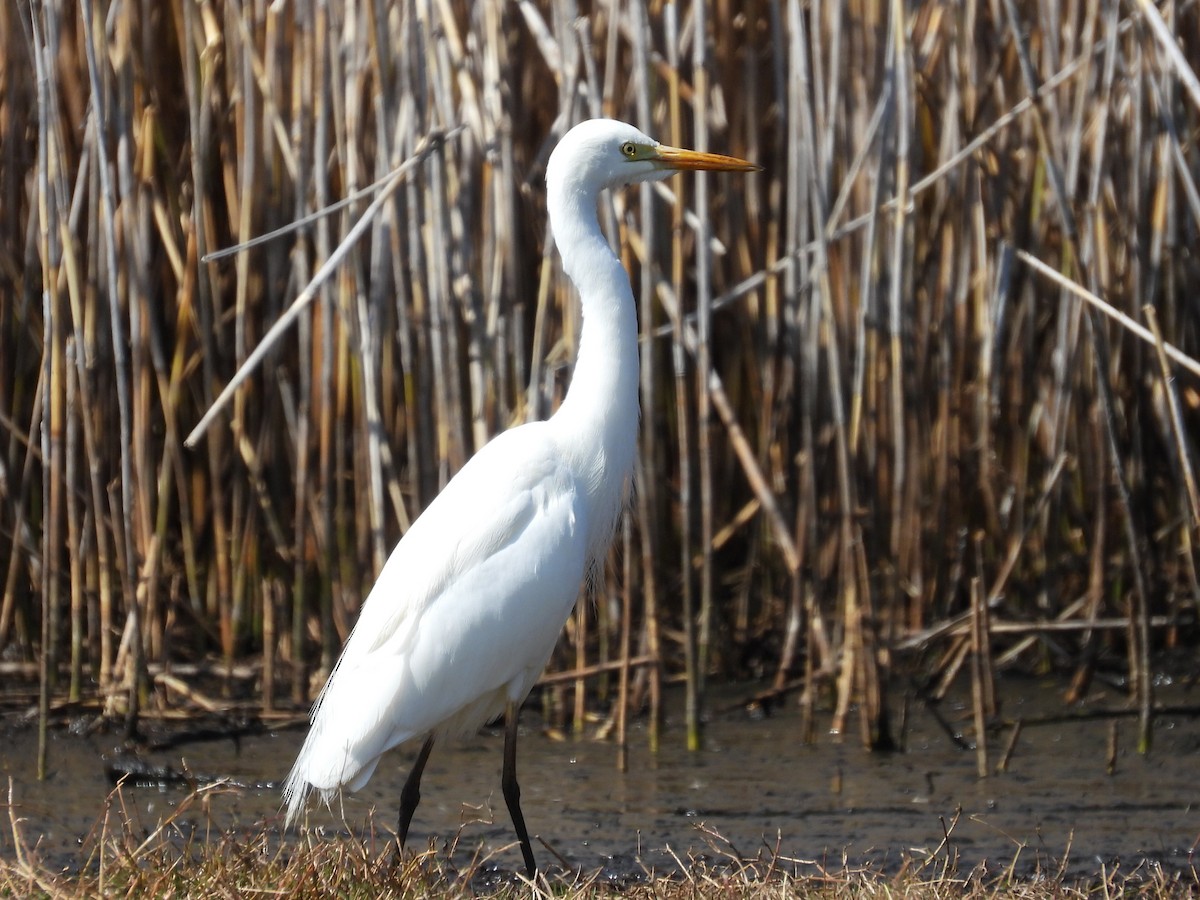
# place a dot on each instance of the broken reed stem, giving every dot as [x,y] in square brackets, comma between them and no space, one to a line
[1010,747]
[1111,749]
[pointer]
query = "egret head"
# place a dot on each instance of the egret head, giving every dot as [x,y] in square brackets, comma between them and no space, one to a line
[605,153]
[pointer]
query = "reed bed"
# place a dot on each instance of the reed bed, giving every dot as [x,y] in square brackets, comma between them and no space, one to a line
[891,411]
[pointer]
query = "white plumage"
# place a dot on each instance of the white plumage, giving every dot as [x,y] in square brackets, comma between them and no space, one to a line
[467,609]
[433,647]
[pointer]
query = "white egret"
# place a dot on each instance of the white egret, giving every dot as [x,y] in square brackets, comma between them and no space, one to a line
[466,612]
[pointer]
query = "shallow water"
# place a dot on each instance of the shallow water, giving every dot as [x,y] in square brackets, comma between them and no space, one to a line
[755,783]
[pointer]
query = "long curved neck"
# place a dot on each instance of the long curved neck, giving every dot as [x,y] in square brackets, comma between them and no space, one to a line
[598,417]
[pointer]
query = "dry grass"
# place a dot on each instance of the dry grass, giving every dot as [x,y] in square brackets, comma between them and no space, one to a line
[874,425]
[176,860]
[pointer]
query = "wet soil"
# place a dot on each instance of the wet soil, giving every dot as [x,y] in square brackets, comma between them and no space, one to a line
[756,784]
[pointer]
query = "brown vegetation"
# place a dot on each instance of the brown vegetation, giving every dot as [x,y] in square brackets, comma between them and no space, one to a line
[181,857]
[879,417]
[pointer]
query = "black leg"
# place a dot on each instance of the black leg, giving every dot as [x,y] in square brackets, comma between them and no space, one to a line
[512,790]
[410,796]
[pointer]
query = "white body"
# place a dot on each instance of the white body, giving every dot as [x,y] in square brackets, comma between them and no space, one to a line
[466,612]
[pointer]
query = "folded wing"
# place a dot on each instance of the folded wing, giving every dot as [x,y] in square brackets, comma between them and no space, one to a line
[462,618]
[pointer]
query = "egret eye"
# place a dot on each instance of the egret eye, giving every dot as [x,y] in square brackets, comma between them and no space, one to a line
[629,148]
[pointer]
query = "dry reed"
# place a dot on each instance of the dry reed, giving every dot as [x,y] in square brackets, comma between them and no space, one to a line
[185,855]
[873,423]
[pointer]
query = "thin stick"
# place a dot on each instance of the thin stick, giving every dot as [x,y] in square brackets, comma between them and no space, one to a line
[384,183]
[622,713]
[1175,416]
[430,142]
[614,665]
[1167,41]
[1113,313]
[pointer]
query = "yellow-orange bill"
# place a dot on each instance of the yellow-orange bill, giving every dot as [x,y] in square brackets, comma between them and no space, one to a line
[675,158]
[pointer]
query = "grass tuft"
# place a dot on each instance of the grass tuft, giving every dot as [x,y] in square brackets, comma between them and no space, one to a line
[176,859]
